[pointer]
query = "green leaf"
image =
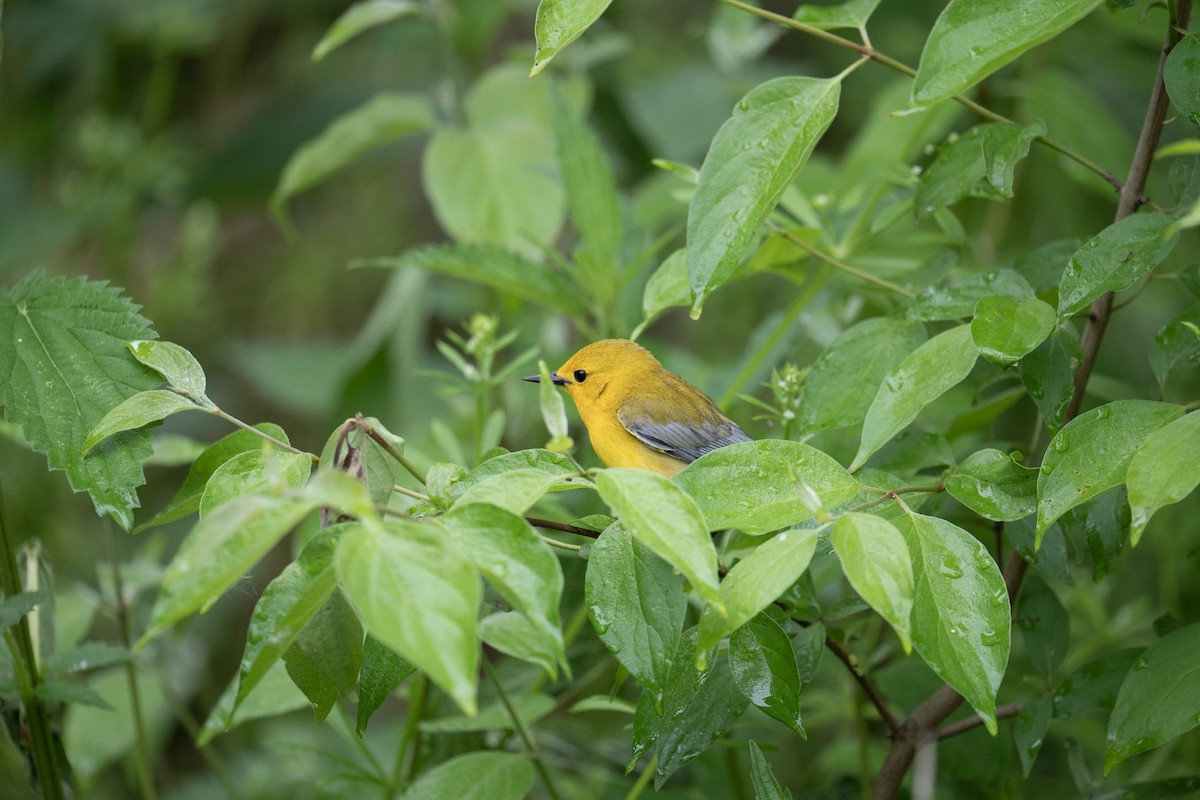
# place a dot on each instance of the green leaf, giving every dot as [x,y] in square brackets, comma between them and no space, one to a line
[1181,74]
[993,485]
[752,159]
[494,266]
[665,519]
[1005,329]
[1164,470]
[1043,266]
[972,40]
[137,412]
[514,634]
[325,658]
[922,377]
[602,702]
[529,709]
[1160,698]
[1176,346]
[553,464]
[187,499]
[418,594]
[475,776]
[380,470]
[1091,454]
[636,604]
[79,694]
[382,671]
[1030,732]
[938,303]
[252,472]
[13,608]
[383,119]
[764,670]
[956,171]
[1092,689]
[1045,626]
[178,367]
[1114,258]
[64,364]
[218,551]
[756,581]
[286,606]
[961,619]
[1048,374]
[841,382]
[515,491]
[86,656]
[361,16]
[560,22]
[764,485]
[765,785]
[667,287]
[850,14]
[1004,146]
[877,563]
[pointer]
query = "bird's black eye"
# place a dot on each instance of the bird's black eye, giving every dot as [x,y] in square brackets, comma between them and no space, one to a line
[580,376]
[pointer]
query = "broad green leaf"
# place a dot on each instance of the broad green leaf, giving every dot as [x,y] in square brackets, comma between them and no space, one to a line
[274,695]
[512,633]
[849,14]
[1030,732]
[961,620]
[326,657]
[764,485]
[1181,74]
[1004,145]
[251,472]
[1164,470]
[382,671]
[495,716]
[1114,258]
[136,412]
[971,40]
[515,491]
[1176,346]
[553,464]
[956,171]
[993,485]
[187,499]
[1092,689]
[664,518]
[64,364]
[756,581]
[667,287]
[958,302]
[1045,626]
[178,367]
[636,604]
[419,594]
[493,266]
[752,159]
[765,785]
[1091,454]
[560,22]
[841,382]
[1102,524]
[384,118]
[922,377]
[361,16]
[877,563]
[86,656]
[764,670]
[288,603]
[475,776]
[1048,374]
[1006,329]
[218,551]
[1160,698]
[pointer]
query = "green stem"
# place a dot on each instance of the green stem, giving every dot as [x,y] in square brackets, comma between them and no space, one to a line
[833,261]
[405,759]
[262,434]
[523,731]
[398,489]
[575,548]
[394,453]
[41,737]
[644,779]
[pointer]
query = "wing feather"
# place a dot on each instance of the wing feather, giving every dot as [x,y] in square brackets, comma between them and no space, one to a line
[685,441]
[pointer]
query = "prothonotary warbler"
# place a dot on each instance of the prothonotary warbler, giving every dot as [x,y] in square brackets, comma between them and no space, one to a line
[637,413]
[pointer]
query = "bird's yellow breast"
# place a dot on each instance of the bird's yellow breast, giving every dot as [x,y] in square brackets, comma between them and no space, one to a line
[617,447]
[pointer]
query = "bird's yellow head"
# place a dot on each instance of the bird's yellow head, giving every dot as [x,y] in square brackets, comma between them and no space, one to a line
[602,368]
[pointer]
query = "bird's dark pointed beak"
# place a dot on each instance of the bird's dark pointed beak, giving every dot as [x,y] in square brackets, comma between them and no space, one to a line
[557,381]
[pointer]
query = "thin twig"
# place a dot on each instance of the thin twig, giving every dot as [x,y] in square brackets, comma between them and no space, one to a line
[551,525]
[263,434]
[865,684]
[974,721]
[523,731]
[833,261]
[574,548]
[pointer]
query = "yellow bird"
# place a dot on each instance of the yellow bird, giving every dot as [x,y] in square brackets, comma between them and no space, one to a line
[637,413]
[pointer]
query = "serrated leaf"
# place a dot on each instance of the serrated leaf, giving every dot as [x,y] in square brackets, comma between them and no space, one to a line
[1114,258]
[382,671]
[1159,699]
[560,22]
[764,670]
[1176,346]
[418,594]
[384,118]
[1048,374]
[850,14]
[1045,625]
[1164,470]
[841,382]
[972,40]
[1091,454]
[765,785]
[636,604]
[1005,329]
[63,365]
[922,377]
[878,565]
[756,581]
[70,692]
[251,472]
[137,412]
[665,519]
[961,619]
[1181,74]
[992,484]
[13,608]
[475,776]
[752,159]
[762,486]
[360,17]
[178,367]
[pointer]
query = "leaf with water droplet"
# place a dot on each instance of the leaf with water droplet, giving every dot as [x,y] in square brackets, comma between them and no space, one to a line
[878,565]
[764,670]
[1165,470]
[1181,74]
[992,484]
[1006,329]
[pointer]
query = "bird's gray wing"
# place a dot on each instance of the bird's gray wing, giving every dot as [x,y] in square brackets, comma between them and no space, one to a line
[687,442]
